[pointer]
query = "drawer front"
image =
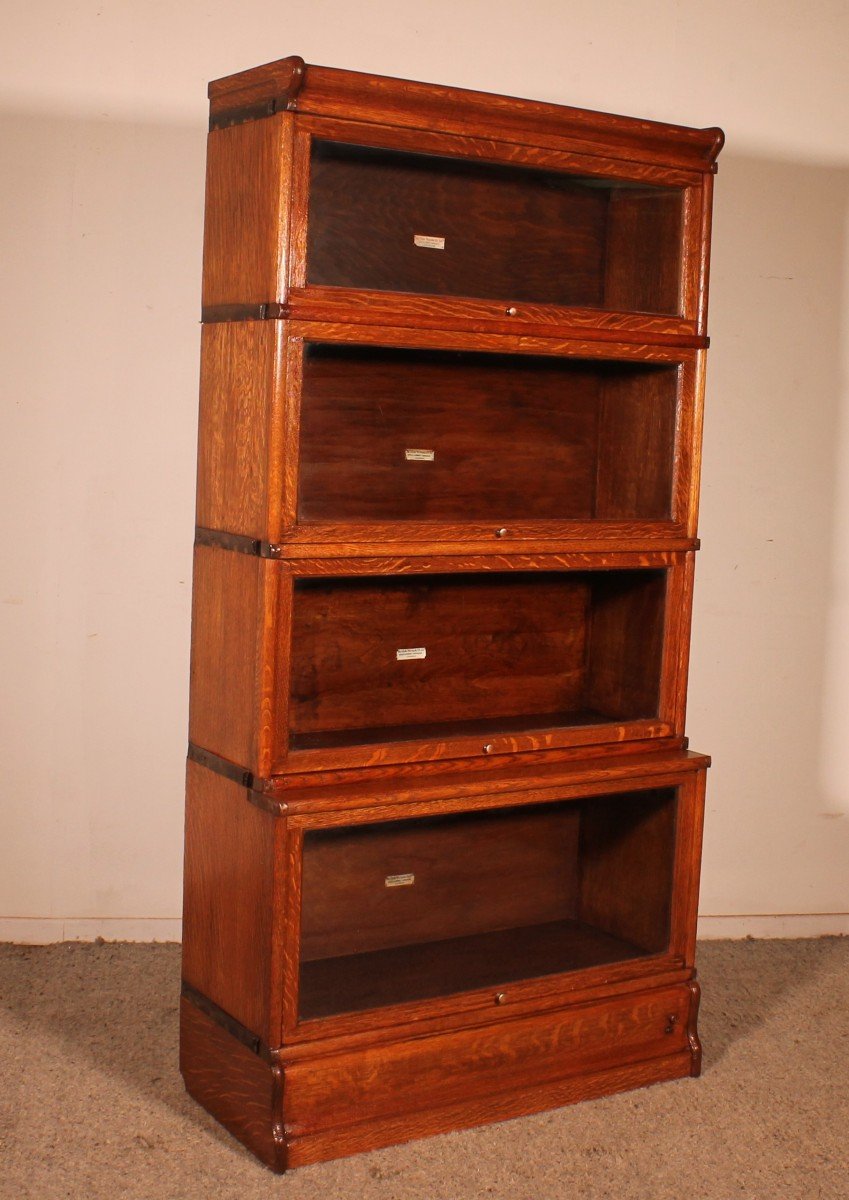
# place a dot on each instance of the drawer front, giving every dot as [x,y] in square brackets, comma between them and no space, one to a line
[512,1055]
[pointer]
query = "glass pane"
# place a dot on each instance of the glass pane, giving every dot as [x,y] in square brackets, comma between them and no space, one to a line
[391,221]
[412,910]
[433,435]
[383,659]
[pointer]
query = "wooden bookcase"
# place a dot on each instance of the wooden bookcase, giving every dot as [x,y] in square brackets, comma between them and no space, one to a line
[443,831]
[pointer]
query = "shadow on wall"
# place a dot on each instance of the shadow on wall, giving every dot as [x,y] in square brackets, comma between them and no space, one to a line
[771,619]
[101,252]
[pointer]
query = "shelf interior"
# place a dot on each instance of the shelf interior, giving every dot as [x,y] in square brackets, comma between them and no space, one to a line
[412,910]
[426,435]
[393,221]
[438,656]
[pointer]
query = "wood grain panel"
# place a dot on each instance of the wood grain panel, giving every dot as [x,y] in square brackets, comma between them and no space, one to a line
[240,1090]
[305,1148]
[626,644]
[626,859]
[247,212]
[460,866]
[229,890]
[636,450]
[225,674]
[465,1065]
[494,648]
[643,244]
[237,385]
[509,440]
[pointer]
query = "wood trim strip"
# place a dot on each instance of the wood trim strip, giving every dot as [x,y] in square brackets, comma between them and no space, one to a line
[235,1028]
[212,314]
[221,766]
[238,542]
[245,778]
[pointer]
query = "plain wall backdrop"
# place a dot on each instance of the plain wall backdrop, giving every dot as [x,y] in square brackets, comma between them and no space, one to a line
[102,136]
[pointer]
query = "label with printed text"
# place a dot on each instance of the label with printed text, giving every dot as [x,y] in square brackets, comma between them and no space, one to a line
[411,652]
[427,242]
[419,455]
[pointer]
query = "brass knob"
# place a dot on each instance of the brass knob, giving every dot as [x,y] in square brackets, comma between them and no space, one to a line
[511,311]
[501,532]
[500,998]
[488,748]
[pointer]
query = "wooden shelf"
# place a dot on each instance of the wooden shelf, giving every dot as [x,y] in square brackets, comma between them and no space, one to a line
[401,974]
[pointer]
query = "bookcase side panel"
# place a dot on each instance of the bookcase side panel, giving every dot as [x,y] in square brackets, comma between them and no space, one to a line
[247,212]
[228,904]
[237,390]
[224,699]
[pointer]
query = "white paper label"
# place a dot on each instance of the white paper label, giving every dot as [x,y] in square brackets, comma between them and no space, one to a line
[419,455]
[399,880]
[429,243]
[411,652]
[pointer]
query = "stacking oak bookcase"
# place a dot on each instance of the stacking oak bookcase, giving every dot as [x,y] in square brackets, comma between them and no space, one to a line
[443,832]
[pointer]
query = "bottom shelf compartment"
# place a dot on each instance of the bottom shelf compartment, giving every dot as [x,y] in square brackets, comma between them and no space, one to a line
[412,910]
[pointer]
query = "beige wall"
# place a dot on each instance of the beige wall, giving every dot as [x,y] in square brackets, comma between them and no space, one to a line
[102,119]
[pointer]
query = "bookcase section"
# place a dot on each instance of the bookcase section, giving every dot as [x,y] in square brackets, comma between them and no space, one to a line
[443,828]
[383,220]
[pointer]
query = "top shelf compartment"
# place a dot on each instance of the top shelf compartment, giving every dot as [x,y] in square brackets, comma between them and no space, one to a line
[384,220]
[330,199]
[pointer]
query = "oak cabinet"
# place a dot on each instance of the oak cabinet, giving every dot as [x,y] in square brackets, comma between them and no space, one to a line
[443,830]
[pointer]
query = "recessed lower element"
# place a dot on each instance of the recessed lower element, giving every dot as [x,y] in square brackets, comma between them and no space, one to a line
[398,1090]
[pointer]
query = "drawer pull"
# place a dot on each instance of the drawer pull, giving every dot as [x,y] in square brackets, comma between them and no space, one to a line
[511,311]
[499,533]
[488,748]
[500,998]
[671,1022]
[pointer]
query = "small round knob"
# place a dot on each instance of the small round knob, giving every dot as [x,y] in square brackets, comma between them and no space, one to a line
[500,997]
[511,311]
[501,533]
[488,748]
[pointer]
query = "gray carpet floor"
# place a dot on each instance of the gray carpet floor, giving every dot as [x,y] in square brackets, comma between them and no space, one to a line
[92,1104]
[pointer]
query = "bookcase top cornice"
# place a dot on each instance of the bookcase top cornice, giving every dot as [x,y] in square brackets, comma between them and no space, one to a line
[291,84]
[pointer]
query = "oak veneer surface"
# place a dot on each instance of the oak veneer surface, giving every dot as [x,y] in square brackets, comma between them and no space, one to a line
[424,1073]
[495,648]
[232,1082]
[236,388]
[509,438]
[626,855]
[228,898]
[469,873]
[246,221]
[226,612]
[509,233]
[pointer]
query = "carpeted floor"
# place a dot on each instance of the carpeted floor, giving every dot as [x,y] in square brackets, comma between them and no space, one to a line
[92,1105]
